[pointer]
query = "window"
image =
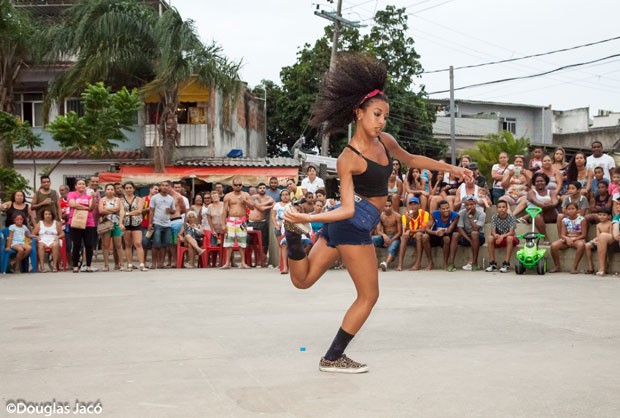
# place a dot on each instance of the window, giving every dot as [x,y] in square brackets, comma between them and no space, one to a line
[29,107]
[187,113]
[509,124]
[74,105]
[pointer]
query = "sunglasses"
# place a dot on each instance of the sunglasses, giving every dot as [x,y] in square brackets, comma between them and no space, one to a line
[237,185]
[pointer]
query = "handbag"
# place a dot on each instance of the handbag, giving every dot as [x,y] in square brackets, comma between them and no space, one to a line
[78,221]
[105,226]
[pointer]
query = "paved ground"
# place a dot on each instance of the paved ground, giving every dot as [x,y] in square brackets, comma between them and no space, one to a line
[209,343]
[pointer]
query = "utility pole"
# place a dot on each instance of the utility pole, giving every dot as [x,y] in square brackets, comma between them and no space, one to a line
[452,116]
[339,22]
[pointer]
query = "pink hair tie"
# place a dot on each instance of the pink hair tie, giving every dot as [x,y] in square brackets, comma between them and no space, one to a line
[369,96]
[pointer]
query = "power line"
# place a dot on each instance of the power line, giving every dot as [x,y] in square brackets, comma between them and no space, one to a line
[528,76]
[525,57]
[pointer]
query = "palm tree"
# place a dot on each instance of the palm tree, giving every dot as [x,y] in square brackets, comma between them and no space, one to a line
[486,152]
[19,44]
[127,42]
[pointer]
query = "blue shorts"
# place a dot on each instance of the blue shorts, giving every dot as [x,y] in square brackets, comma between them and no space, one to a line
[161,236]
[355,230]
[393,248]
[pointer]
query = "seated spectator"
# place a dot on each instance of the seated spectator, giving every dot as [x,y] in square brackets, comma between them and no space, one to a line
[497,174]
[573,195]
[318,208]
[389,230]
[191,236]
[470,230]
[599,201]
[321,195]
[559,163]
[415,185]
[438,190]
[609,242]
[614,185]
[395,189]
[440,232]
[516,182]
[545,199]
[17,241]
[597,177]
[414,223]
[470,188]
[479,179]
[312,183]
[49,232]
[503,226]
[307,203]
[603,232]
[573,233]
[555,177]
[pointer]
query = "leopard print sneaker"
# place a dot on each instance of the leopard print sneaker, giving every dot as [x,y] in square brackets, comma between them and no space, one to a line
[301,229]
[343,365]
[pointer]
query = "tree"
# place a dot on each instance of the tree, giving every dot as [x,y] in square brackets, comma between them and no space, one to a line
[23,137]
[486,152]
[411,116]
[10,179]
[20,43]
[125,40]
[96,133]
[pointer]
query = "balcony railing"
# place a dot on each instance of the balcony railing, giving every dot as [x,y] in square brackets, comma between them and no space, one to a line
[190,135]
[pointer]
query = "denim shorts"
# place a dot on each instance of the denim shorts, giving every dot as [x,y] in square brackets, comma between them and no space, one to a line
[355,230]
[161,236]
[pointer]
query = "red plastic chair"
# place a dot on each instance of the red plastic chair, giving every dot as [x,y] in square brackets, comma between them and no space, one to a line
[182,249]
[63,255]
[213,251]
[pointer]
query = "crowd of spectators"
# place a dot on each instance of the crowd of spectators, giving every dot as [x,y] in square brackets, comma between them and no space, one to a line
[424,210]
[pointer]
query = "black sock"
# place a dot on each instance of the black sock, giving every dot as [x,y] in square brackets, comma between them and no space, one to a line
[336,350]
[294,247]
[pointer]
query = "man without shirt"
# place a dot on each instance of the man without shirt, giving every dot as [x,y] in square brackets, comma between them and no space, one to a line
[389,230]
[236,204]
[259,217]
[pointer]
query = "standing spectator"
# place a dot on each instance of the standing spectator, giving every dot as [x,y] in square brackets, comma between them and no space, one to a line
[440,233]
[93,190]
[132,236]
[48,232]
[470,230]
[219,188]
[81,200]
[277,219]
[147,239]
[119,191]
[259,218]
[295,192]
[273,191]
[578,171]
[395,190]
[414,223]
[197,207]
[236,204]
[535,159]
[63,190]
[389,230]
[503,227]
[111,209]
[573,232]
[214,217]
[16,206]
[204,221]
[161,206]
[45,198]
[516,182]
[497,174]
[598,159]
[312,183]
[177,219]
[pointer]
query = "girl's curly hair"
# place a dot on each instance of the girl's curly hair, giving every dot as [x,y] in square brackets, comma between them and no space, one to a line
[344,90]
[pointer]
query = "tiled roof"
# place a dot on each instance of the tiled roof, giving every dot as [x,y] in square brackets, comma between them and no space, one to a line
[239,162]
[74,155]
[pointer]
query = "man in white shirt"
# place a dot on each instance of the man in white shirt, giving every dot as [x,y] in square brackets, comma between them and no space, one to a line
[598,159]
[311,183]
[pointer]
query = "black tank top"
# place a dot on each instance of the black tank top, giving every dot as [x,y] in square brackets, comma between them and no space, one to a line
[374,181]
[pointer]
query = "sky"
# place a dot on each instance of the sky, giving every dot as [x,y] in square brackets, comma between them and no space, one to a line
[266,35]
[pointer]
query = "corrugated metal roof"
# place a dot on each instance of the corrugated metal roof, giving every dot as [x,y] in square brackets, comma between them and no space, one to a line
[74,155]
[239,162]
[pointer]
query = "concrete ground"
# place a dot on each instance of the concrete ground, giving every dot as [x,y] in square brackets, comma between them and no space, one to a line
[212,343]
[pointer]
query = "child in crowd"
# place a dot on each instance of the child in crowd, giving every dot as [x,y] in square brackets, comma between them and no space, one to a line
[614,186]
[503,225]
[17,241]
[536,160]
[599,202]
[573,195]
[441,232]
[603,227]
[599,174]
[414,221]
[389,230]
[573,233]
[470,230]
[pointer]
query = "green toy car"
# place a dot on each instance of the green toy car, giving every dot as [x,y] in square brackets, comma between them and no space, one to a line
[530,256]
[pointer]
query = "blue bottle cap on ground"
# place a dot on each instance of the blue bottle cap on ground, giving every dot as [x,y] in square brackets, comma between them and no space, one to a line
[302,348]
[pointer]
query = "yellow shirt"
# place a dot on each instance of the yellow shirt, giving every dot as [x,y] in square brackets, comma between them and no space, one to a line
[418,223]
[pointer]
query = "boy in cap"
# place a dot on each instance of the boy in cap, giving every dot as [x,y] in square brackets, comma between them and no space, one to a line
[414,221]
